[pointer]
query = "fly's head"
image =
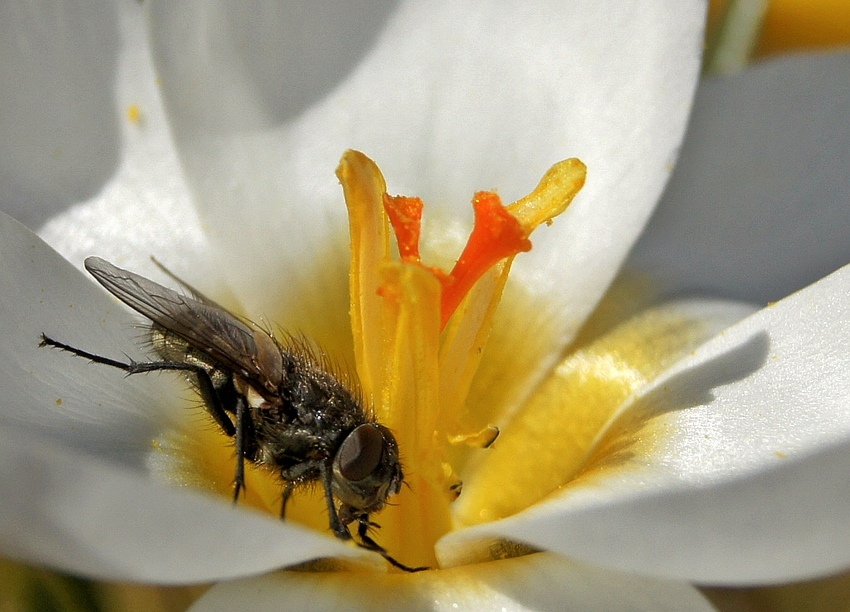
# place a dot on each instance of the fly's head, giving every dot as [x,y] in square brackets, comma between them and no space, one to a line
[366,471]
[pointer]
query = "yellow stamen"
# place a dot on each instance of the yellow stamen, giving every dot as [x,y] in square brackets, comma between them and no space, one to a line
[363,187]
[412,299]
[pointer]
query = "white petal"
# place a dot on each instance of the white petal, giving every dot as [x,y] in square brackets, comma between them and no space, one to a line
[759,205]
[454,97]
[535,582]
[136,201]
[84,405]
[749,477]
[70,511]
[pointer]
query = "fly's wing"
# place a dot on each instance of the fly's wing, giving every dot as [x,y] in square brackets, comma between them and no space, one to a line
[195,293]
[210,329]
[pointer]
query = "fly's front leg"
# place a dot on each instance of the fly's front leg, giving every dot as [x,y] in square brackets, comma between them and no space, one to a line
[340,530]
[288,490]
[366,541]
[340,525]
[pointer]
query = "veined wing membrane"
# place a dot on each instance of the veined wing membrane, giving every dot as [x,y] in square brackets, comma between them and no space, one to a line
[214,331]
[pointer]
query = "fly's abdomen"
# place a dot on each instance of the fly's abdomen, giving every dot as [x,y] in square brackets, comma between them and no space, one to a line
[171,347]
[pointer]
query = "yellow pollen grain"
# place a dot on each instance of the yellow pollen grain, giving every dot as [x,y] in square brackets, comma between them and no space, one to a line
[134,114]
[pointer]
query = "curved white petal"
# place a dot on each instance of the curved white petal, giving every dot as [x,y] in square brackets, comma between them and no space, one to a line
[119,148]
[535,582]
[759,205]
[452,98]
[88,406]
[749,478]
[68,510]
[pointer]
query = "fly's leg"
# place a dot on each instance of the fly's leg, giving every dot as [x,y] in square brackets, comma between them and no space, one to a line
[205,384]
[239,481]
[288,490]
[368,543]
[340,530]
[207,389]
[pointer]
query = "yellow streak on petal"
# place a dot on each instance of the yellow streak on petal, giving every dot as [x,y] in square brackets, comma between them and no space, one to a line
[363,186]
[551,439]
[552,195]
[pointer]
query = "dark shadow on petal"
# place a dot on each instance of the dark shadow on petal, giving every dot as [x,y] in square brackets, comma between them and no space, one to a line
[322,46]
[694,386]
[58,124]
[757,206]
[252,69]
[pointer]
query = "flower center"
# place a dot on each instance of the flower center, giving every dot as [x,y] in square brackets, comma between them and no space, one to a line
[419,334]
[419,331]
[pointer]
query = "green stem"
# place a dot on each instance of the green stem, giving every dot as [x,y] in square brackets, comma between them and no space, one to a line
[739,30]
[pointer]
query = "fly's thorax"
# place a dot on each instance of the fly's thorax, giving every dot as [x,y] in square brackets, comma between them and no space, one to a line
[366,470]
[315,396]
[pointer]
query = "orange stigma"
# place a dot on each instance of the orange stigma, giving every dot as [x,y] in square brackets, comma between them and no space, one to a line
[496,235]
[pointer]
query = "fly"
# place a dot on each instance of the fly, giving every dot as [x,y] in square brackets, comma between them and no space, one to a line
[285,410]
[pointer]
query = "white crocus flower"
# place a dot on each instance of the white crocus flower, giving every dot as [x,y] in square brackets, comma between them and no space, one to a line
[641,460]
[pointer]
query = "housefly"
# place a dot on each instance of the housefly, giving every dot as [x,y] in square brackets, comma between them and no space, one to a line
[284,408]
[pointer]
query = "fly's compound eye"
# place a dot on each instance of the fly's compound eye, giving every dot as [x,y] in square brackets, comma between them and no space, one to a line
[360,453]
